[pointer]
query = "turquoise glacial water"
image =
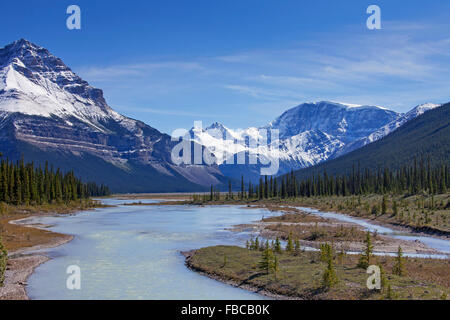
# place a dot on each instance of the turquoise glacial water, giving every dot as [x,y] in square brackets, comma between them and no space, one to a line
[132,252]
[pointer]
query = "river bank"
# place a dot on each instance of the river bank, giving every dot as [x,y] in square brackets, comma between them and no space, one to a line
[132,252]
[237,266]
[23,260]
[150,224]
[312,230]
[229,280]
[300,275]
[403,221]
[23,239]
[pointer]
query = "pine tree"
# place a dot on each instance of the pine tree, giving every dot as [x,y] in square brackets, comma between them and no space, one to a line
[256,247]
[277,247]
[276,266]
[329,276]
[384,205]
[326,251]
[242,187]
[267,260]
[395,208]
[364,260]
[266,188]
[297,247]
[399,266]
[252,244]
[289,245]
[383,278]
[3,262]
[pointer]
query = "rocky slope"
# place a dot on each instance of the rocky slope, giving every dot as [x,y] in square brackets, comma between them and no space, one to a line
[48,112]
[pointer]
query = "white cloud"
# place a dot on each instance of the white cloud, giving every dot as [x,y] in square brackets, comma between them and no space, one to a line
[111,73]
[402,65]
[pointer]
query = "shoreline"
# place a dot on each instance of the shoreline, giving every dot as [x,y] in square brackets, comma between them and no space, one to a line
[388,247]
[284,207]
[244,286]
[288,208]
[22,262]
[300,276]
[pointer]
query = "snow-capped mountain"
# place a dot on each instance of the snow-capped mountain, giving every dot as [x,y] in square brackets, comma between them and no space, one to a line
[308,134]
[388,128]
[391,126]
[49,110]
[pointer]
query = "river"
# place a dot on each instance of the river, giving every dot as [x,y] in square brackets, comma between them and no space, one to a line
[133,252]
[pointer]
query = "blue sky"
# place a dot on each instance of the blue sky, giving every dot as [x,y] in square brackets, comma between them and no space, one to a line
[243,63]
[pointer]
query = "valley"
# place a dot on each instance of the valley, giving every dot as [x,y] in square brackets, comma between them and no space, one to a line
[225,229]
[355,186]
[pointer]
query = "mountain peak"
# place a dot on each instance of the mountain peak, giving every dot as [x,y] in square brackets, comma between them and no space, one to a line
[24,43]
[21,44]
[30,55]
[35,82]
[342,120]
[216,125]
[424,107]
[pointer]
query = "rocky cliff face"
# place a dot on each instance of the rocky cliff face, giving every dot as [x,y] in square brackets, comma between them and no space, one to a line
[45,105]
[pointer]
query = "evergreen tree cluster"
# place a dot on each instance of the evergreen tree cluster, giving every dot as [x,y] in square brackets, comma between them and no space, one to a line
[22,183]
[412,179]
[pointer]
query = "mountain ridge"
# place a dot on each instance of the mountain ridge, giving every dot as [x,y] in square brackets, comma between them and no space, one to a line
[44,104]
[425,136]
[46,108]
[309,134]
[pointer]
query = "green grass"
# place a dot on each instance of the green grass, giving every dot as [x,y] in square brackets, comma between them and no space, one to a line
[301,276]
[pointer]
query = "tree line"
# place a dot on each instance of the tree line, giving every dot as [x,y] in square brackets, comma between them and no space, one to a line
[411,179]
[23,183]
[420,176]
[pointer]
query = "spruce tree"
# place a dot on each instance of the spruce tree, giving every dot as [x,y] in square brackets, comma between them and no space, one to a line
[252,244]
[364,260]
[3,262]
[267,259]
[297,247]
[384,205]
[289,245]
[276,266]
[399,266]
[395,208]
[329,276]
[277,248]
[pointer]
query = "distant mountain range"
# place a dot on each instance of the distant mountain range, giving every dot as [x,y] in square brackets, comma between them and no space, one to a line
[424,137]
[310,134]
[48,113]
